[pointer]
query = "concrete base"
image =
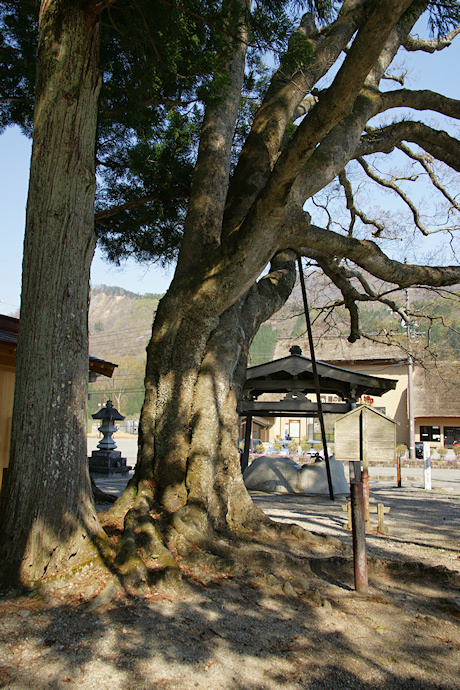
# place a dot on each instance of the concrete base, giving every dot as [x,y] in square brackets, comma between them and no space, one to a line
[107,463]
[283,475]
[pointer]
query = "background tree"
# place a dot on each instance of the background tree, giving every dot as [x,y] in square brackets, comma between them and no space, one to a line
[48,440]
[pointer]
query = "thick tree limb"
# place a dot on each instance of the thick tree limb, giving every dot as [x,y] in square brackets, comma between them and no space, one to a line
[436,142]
[287,92]
[203,224]
[336,148]
[336,102]
[371,258]
[413,44]
[421,100]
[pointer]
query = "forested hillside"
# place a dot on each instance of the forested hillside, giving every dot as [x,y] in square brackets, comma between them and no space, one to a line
[120,325]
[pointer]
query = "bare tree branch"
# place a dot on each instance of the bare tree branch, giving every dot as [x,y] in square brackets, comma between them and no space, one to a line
[14,99]
[390,184]
[422,159]
[135,203]
[354,211]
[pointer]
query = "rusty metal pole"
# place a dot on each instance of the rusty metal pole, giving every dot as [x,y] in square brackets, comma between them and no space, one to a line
[315,378]
[398,469]
[359,537]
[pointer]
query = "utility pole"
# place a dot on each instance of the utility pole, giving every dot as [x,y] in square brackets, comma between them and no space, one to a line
[410,384]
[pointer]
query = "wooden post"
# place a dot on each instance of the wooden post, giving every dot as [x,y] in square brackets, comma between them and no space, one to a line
[398,469]
[365,481]
[380,513]
[359,537]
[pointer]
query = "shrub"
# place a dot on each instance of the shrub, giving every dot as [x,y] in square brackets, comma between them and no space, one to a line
[442,452]
[457,452]
[260,447]
[401,449]
[292,447]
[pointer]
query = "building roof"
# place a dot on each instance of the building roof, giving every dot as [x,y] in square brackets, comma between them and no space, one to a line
[436,384]
[9,329]
[343,353]
[293,376]
[296,372]
[437,390]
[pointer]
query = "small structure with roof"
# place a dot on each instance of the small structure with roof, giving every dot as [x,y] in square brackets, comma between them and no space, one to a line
[290,380]
[365,434]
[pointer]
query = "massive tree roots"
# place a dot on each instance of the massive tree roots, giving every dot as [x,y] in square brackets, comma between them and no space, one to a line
[160,551]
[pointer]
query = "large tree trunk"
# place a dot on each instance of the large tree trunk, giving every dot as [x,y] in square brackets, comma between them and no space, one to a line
[47,509]
[188,485]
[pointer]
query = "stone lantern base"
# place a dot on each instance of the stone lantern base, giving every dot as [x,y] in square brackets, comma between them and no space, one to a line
[108,463]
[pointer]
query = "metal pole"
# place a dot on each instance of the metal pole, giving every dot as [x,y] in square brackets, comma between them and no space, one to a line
[316,379]
[410,406]
[427,466]
[247,441]
[398,469]
[410,386]
[359,537]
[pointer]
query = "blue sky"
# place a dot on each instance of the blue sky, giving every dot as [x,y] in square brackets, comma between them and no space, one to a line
[437,72]
[14,169]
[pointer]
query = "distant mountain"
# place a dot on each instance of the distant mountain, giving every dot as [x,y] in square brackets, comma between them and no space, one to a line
[120,323]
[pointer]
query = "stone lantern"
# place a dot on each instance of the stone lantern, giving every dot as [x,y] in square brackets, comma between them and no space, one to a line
[106,460]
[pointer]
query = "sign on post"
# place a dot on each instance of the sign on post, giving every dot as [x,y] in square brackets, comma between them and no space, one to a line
[427,465]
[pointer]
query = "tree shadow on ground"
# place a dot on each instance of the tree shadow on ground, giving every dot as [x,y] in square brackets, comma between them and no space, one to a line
[240,635]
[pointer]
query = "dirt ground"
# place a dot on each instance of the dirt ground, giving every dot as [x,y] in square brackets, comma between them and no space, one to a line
[265,632]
